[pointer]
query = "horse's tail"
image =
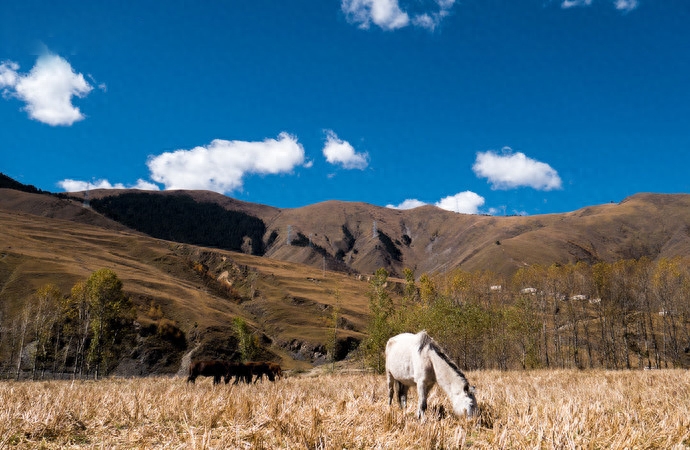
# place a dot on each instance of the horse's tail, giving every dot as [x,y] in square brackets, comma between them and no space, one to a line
[424,340]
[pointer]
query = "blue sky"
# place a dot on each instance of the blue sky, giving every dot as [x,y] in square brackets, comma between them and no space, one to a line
[477,106]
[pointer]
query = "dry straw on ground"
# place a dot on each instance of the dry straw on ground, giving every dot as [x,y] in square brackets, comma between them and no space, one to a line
[540,409]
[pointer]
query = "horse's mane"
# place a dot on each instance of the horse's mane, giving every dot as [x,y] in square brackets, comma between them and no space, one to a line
[426,340]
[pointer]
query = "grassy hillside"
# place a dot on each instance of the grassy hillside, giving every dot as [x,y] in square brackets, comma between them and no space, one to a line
[200,290]
[351,236]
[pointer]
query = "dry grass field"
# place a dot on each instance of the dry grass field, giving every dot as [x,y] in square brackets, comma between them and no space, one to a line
[539,409]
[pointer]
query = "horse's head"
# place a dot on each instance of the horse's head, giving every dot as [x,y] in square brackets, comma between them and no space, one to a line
[465,403]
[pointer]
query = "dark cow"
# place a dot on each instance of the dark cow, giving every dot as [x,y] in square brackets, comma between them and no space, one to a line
[239,371]
[208,368]
[275,368]
[259,369]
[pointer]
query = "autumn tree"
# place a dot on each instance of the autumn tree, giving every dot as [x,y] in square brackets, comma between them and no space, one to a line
[648,345]
[44,319]
[670,281]
[248,345]
[380,328]
[22,328]
[76,313]
[112,317]
[531,280]
[332,342]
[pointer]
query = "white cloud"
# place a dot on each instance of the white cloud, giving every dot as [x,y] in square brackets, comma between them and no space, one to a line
[76,185]
[573,3]
[463,202]
[145,186]
[626,5]
[47,90]
[384,13]
[8,75]
[621,5]
[430,20]
[339,152]
[222,165]
[510,170]
[388,14]
[408,204]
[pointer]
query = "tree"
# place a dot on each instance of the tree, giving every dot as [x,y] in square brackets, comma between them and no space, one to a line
[111,318]
[21,327]
[531,280]
[76,313]
[643,298]
[332,343]
[247,343]
[427,289]
[669,281]
[407,317]
[379,329]
[45,317]
[522,324]
[411,294]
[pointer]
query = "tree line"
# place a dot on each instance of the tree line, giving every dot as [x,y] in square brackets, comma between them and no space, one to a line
[82,333]
[9,183]
[622,315]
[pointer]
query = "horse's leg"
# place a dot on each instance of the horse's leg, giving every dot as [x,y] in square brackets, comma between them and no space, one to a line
[391,387]
[402,395]
[216,379]
[422,392]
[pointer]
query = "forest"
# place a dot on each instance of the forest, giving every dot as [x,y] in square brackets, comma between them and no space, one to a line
[85,332]
[629,314]
[623,315]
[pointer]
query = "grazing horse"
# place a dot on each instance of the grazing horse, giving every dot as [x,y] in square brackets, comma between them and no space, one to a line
[208,368]
[416,360]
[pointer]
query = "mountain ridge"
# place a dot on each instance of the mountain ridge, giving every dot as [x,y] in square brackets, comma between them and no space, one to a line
[359,237]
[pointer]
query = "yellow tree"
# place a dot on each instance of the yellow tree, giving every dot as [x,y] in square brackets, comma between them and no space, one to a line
[247,342]
[76,313]
[379,329]
[112,318]
[668,281]
[45,311]
[531,280]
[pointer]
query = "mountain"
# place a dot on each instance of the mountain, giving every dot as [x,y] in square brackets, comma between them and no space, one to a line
[194,291]
[287,292]
[357,237]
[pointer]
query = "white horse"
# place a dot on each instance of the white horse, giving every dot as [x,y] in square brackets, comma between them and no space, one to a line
[416,360]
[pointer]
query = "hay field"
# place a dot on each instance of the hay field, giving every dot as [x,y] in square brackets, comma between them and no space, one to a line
[540,409]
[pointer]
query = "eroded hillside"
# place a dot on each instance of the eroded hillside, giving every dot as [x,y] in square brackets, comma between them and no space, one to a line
[199,290]
[350,236]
